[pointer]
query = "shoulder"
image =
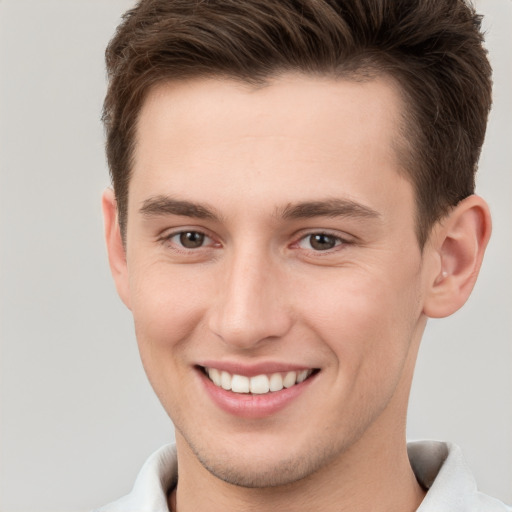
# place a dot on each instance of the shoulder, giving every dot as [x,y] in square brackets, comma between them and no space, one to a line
[149,494]
[441,469]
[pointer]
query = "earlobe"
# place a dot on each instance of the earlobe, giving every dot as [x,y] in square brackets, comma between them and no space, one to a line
[458,243]
[115,247]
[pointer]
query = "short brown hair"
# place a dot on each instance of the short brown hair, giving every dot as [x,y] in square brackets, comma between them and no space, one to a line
[432,48]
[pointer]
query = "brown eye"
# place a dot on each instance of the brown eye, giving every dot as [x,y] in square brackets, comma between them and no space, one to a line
[320,242]
[191,239]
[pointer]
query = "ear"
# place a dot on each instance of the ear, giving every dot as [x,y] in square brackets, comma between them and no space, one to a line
[458,243]
[115,247]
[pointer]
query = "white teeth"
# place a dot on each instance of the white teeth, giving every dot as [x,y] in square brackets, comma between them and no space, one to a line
[276,382]
[303,375]
[259,384]
[225,381]
[290,379]
[214,374]
[240,384]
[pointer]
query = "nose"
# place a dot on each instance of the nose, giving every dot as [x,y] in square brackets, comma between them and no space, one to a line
[251,306]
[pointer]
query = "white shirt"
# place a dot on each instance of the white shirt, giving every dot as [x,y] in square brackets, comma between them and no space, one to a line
[439,467]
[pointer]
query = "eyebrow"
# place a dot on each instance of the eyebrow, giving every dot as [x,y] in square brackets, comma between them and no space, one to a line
[163,205]
[328,208]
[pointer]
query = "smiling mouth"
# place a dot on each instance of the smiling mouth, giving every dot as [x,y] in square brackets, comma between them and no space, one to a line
[259,384]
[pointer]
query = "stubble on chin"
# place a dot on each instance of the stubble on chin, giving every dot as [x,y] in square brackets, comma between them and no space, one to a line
[262,473]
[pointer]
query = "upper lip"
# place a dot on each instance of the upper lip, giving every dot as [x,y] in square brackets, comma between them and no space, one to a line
[253,369]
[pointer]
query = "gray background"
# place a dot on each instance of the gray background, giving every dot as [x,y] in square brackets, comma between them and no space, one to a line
[77,415]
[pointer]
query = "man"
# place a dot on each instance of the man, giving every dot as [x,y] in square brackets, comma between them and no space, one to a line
[293,198]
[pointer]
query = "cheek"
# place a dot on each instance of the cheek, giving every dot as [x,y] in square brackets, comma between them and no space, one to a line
[366,318]
[167,306]
[167,309]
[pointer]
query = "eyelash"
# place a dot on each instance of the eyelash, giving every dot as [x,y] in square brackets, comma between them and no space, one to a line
[178,243]
[336,239]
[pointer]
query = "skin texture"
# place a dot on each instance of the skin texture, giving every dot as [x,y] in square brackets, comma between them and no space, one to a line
[256,290]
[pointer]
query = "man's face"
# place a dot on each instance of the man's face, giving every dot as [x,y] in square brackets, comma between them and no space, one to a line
[271,237]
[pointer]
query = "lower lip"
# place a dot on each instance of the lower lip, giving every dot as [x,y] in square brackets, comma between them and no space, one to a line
[254,406]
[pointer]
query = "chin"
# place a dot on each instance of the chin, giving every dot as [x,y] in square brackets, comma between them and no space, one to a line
[257,475]
[258,471]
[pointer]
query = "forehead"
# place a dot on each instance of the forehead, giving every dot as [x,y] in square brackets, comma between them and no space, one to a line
[295,130]
[298,103]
